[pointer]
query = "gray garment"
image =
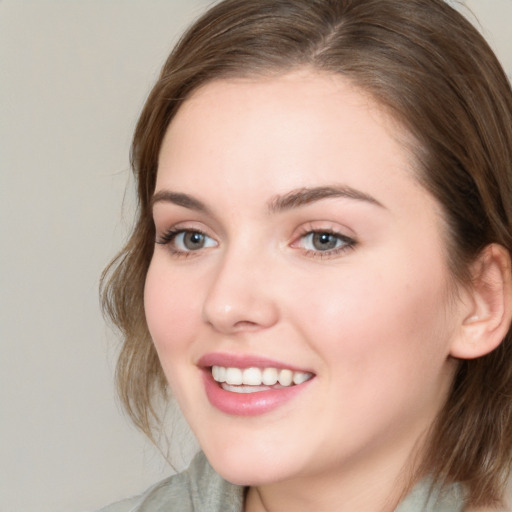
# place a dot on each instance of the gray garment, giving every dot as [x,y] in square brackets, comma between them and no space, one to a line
[425,498]
[198,489]
[201,489]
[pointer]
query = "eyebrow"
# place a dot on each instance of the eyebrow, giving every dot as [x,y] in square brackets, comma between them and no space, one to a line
[293,199]
[305,196]
[180,199]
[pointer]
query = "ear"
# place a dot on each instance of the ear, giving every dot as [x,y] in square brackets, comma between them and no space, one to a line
[487,311]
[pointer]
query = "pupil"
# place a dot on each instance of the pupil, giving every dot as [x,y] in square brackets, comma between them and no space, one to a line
[324,241]
[193,240]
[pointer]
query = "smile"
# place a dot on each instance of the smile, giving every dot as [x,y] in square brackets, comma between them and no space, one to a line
[250,385]
[253,379]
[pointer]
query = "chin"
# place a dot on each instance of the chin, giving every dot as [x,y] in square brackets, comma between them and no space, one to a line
[247,468]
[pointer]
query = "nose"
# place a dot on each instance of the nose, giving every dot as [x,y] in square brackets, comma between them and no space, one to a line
[239,297]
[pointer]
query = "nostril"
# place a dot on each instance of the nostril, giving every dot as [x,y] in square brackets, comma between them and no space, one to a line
[246,325]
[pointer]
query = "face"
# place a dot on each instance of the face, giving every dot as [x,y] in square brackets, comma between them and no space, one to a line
[298,297]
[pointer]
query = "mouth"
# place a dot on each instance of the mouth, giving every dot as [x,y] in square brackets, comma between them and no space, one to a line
[255,379]
[250,385]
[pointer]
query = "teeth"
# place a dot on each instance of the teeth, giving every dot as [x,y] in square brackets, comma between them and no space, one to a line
[258,376]
[285,377]
[234,376]
[251,376]
[300,377]
[270,376]
[222,373]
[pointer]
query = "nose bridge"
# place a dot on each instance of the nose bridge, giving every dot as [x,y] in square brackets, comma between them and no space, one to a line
[239,296]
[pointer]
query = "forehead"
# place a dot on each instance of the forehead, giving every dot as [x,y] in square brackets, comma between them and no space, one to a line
[261,100]
[281,124]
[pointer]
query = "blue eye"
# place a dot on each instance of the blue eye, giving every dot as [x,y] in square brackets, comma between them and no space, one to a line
[183,240]
[192,241]
[325,241]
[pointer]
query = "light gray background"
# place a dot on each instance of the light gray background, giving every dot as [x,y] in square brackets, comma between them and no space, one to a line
[73,77]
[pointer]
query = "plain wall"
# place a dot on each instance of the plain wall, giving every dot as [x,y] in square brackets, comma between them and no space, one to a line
[73,77]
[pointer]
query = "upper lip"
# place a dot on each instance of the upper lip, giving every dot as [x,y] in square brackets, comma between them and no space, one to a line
[244,361]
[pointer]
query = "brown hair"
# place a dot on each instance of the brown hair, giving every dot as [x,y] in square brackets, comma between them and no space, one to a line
[437,76]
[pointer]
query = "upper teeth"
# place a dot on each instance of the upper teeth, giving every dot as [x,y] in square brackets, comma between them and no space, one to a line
[258,376]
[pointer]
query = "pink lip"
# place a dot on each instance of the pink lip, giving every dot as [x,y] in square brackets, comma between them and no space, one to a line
[243,361]
[246,404]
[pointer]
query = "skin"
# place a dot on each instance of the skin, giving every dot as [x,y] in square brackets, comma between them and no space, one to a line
[374,320]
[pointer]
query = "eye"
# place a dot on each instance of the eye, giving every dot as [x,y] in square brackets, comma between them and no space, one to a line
[184,240]
[318,241]
[324,243]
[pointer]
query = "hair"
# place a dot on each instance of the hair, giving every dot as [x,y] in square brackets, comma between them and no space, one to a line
[434,73]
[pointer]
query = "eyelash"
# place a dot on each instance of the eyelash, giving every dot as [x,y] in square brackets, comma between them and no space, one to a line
[170,236]
[347,243]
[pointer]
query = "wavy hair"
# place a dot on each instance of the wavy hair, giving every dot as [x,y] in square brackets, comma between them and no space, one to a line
[436,75]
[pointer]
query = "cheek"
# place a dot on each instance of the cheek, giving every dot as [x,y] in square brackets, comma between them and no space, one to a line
[387,320]
[170,309]
[386,342]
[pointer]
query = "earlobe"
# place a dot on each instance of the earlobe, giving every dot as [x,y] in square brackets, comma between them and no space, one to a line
[488,316]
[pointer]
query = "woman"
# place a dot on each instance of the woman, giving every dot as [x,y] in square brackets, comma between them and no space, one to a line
[321,266]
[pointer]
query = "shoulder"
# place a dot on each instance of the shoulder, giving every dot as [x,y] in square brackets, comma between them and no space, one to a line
[428,497]
[198,489]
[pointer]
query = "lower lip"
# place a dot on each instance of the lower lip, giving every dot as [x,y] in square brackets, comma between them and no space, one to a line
[248,404]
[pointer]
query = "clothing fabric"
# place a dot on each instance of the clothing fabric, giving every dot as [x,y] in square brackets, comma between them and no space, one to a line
[198,489]
[201,489]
